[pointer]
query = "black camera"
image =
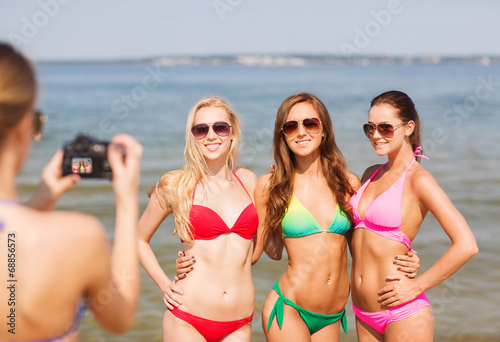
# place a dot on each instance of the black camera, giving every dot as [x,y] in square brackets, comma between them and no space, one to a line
[86,157]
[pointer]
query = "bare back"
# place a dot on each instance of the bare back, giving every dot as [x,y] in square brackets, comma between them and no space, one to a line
[54,263]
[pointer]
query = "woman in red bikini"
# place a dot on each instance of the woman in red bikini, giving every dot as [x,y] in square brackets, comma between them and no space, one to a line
[388,210]
[302,207]
[215,218]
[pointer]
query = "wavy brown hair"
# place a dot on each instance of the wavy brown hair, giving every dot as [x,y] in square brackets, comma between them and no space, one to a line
[333,163]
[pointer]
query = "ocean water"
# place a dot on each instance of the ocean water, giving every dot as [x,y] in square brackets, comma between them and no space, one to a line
[460,112]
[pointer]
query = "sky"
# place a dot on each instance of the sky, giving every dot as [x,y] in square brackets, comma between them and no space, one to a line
[121,29]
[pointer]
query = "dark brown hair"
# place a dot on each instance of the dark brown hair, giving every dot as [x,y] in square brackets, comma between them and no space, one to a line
[406,111]
[333,163]
[17,88]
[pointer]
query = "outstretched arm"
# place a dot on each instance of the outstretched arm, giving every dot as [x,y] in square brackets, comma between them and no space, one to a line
[463,245]
[113,292]
[52,185]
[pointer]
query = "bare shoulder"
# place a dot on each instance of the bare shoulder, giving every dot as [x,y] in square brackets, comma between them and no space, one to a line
[262,187]
[248,178]
[170,179]
[354,181]
[263,181]
[422,181]
[82,227]
[80,237]
[369,172]
[164,192]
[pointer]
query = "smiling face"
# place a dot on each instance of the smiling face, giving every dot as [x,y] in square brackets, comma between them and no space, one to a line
[387,143]
[304,142]
[213,146]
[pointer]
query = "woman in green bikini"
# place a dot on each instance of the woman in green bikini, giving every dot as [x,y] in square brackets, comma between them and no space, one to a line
[303,206]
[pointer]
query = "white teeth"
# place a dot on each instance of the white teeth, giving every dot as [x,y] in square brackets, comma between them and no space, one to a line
[302,143]
[212,147]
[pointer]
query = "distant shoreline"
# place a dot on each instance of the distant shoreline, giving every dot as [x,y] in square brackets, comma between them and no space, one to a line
[297,60]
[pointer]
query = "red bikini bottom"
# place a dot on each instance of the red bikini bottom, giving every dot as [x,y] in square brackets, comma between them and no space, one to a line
[212,331]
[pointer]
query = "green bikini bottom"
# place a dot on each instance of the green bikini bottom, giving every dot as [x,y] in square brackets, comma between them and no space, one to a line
[314,321]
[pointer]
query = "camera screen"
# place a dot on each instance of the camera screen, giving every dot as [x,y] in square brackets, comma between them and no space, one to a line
[81,165]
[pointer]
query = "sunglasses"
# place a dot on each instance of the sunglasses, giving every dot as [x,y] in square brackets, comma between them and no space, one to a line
[200,131]
[39,121]
[311,125]
[386,130]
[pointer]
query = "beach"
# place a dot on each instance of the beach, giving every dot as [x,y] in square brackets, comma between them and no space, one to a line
[459,106]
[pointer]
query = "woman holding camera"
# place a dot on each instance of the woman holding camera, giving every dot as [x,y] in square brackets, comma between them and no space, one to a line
[215,218]
[50,277]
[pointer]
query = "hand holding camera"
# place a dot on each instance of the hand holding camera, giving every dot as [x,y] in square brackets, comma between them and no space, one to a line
[90,158]
[52,185]
[86,157]
[124,155]
[118,160]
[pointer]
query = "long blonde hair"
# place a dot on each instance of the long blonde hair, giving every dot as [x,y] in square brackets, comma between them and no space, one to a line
[175,188]
[17,88]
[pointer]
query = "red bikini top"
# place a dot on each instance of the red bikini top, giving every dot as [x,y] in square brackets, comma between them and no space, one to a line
[208,225]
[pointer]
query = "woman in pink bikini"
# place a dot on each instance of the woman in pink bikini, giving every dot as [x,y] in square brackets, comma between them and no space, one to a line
[388,210]
[212,205]
[303,207]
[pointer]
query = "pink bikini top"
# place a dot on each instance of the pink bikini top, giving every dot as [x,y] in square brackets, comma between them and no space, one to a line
[383,214]
[208,225]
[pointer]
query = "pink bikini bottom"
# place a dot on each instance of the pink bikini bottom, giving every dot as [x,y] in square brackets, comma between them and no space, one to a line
[379,320]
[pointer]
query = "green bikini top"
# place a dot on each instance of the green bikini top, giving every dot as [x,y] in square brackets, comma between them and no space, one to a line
[298,221]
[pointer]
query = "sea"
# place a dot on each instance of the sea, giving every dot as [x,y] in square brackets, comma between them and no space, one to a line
[459,106]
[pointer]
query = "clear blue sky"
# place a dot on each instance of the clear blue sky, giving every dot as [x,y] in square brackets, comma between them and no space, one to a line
[108,29]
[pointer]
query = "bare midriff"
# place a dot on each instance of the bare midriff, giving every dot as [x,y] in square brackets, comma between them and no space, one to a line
[220,286]
[316,276]
[373,260]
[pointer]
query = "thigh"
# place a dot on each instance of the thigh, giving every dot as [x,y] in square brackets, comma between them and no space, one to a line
[367,333]
[293,329]
[175,329]
[419,327]
[328,333]
[243,334]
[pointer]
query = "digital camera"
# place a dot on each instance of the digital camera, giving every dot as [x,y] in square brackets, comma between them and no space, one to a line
[87,158]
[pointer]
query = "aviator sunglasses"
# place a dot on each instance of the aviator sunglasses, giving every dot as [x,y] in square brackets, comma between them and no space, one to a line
[311,125]
[386,130]
[200,131]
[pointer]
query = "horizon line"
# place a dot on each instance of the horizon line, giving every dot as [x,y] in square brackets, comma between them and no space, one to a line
[323,58]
